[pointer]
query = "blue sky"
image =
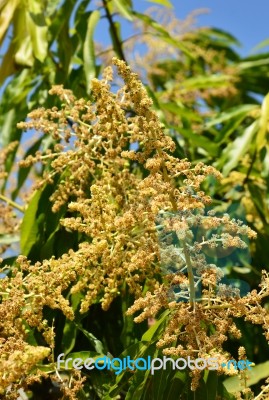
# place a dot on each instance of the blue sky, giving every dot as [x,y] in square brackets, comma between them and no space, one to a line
[247,20]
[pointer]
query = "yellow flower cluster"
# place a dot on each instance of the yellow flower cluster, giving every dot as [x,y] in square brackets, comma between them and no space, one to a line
[114,197]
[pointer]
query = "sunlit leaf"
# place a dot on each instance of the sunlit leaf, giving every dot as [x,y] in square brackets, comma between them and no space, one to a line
[236,149]
[7,8]
[38,30]
[97,344]
[88,47]
[155,329]
[262,44]
[252,64]
[7,66]
[165,3]
[124,9]
[29,227]
[261,136]
[22,39]
[220,35]
[257,372]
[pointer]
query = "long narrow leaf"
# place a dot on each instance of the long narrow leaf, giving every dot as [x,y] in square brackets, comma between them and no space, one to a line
[88,47]
[235,151]
[233,112]
[29,227]
[123,8]
[6,13]
[257,373]
[165,3]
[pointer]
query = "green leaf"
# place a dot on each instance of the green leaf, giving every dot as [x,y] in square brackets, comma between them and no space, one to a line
[259,199]
[38,29]
[30,334]
[8,121]
[262,44]
[48,368]
[48,250]
[165,3]
[164,34]
[124,9]
[7,66]
[29,227]
[242,270]
[24,48]
[88,48]
[234,112]
[39,39]
[258,372]
[69,336]
[181,111]
[237,149]
[164,383]
[211,384]
[221,35]
[252,63]
[199,141]
[156,328]
[7,9]
[142,379]
[203,81]
[175,386]
[134,351]
[261,136]
[96,343]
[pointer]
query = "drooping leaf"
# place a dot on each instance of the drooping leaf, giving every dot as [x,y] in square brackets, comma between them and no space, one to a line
[220,35]
[8,66]
[23,55]
[261,136]
[38,32]
[236,149]
[124,9]
[96,343]
[88,47]
[7,8]
[29,227]
[69,337]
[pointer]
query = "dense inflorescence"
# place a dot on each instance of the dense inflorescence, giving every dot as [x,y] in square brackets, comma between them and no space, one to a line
[118,197]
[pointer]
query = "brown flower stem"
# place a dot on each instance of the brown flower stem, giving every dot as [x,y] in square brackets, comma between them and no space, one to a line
[190,275]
